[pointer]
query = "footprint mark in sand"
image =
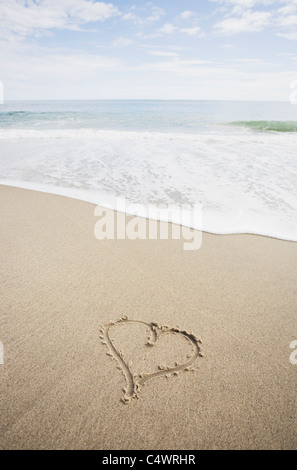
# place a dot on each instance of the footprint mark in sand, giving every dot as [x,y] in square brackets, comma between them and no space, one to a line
[135,382]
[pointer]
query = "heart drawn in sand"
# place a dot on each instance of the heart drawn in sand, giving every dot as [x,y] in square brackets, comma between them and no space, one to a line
[136,381]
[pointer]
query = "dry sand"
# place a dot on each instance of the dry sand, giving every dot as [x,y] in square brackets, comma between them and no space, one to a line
[58,387]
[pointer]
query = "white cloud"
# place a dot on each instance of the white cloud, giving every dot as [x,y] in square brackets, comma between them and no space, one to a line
[167,28]
[247,22]
[286,20]
[240,5]
[227,46]
[190,67]
[75,70]
[253,15]
[195,31]
[290,36]
[89,76]
[40,71]
[235,79]
[156,14]
[122,42]
[163,53]
[25,17]
[187,14]
[130,17]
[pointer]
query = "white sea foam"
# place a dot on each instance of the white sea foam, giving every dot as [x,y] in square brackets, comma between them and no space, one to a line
[246,182]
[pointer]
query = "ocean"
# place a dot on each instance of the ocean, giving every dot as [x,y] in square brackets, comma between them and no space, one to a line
[237,159]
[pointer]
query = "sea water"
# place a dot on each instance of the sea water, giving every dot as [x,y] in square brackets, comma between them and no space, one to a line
[237,159]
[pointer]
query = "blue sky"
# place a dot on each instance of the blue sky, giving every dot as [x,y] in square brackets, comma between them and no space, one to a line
[166,49]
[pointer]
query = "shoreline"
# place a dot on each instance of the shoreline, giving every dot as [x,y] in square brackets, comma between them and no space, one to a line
[61,390]
[81,196]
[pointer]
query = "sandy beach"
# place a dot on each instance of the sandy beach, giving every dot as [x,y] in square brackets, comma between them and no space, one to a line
[60,389]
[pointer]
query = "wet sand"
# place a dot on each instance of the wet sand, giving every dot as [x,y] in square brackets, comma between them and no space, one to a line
[61,388]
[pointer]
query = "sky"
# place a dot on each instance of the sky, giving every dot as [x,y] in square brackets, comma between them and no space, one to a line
[166,49]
